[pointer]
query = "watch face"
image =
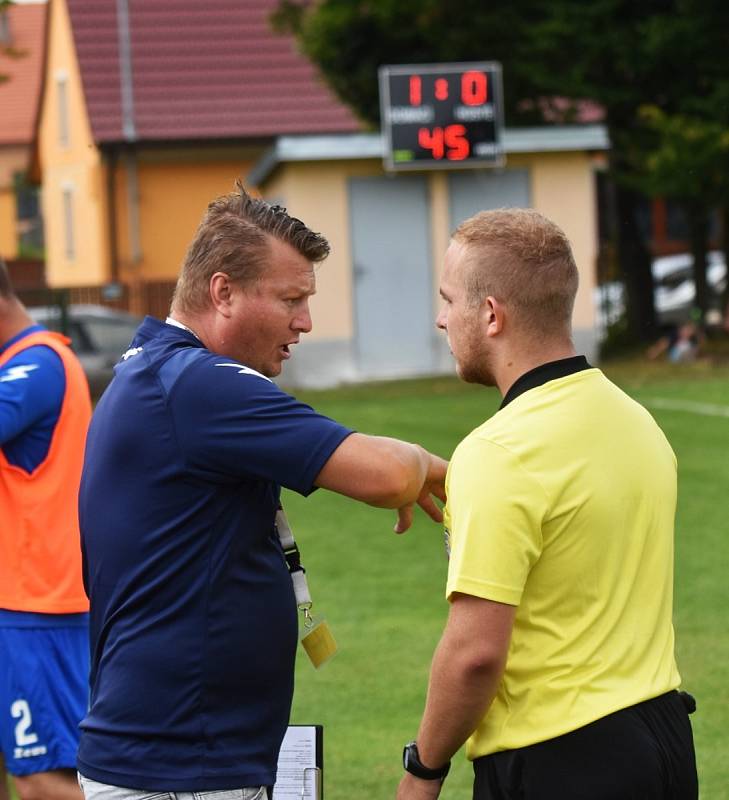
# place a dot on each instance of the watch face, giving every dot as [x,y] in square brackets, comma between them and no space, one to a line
[411,762]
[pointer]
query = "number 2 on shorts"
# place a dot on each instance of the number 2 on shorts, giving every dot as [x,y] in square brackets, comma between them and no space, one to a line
[21,709]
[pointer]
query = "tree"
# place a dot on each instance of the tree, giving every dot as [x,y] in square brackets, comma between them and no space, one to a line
[689,162]
[349,39]
[688,158]
[617,53]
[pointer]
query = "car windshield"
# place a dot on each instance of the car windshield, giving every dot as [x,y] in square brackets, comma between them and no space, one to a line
[111,336]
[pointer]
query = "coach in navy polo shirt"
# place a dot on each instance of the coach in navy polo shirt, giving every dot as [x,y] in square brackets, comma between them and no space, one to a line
[193,616]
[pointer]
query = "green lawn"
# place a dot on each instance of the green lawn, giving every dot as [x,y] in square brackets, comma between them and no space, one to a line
[383,594]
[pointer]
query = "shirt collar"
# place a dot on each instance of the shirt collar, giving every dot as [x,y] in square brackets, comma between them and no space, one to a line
[544,373]
[177,324]
[18,336]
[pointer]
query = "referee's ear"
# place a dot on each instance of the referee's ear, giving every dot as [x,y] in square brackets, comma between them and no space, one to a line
[492,315]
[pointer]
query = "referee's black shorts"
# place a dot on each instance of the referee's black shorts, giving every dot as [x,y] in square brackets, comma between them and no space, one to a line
[645,752]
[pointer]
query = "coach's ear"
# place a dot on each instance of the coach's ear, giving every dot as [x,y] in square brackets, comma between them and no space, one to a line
[492,314]
[220,293]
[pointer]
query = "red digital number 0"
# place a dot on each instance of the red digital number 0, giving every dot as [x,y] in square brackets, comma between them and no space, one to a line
[474,88]
[456,142]
[432,140]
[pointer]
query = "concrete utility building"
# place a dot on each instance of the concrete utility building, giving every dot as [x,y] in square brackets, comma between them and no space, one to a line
[149,110]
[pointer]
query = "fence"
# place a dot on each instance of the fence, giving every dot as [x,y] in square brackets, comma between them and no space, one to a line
[147,297]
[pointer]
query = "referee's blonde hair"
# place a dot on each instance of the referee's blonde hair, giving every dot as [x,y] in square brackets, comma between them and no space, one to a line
[524,261]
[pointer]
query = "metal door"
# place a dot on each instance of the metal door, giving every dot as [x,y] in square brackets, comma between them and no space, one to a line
[390,230]
[471,192]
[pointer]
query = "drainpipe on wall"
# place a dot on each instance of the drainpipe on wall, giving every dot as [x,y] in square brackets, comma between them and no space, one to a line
[111,213]
[130,156]
[135,247]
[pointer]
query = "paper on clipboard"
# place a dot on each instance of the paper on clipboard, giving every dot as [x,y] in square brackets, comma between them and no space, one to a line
[299,773]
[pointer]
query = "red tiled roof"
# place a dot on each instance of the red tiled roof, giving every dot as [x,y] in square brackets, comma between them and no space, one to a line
[201,69]
[20,94]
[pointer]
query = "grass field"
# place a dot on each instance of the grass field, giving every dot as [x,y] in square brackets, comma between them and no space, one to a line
[383,594]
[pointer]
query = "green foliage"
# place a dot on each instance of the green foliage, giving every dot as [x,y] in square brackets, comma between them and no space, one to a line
[383,594]
[616,52]
[685,143]
[617,341]
[31,252]
[623,55]
[350,39]
[689,159]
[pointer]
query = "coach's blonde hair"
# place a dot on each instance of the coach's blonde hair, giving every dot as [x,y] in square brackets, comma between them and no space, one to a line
[524,261]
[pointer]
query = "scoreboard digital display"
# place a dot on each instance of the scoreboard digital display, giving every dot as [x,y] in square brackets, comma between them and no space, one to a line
[442,115]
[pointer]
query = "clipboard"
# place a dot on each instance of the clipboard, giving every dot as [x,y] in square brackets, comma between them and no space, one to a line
[300,771]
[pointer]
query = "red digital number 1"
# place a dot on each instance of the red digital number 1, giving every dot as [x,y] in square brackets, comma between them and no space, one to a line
[416,90]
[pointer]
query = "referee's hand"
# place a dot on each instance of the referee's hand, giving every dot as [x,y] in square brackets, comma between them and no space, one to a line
[412,788]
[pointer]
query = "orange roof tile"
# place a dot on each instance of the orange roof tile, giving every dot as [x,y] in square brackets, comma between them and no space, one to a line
[20,94]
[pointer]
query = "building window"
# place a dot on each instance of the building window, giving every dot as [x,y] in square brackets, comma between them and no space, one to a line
[30,222]
[70,248]
[62,91]
[6,38]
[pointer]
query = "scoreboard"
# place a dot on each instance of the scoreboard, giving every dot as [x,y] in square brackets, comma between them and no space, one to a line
[442,115]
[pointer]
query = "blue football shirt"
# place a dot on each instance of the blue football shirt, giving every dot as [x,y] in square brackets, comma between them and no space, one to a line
[193,617]
[32,387]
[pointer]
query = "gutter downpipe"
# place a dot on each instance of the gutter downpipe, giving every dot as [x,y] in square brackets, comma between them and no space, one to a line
[111,165]
[130,138]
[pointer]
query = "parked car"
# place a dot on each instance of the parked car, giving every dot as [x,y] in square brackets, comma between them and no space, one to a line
[674,290]
[674,286]
[98,335]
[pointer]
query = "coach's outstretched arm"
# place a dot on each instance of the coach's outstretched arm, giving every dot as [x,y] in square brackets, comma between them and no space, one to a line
[387,473]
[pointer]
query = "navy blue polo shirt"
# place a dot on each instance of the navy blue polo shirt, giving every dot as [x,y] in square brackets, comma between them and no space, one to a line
[193,618]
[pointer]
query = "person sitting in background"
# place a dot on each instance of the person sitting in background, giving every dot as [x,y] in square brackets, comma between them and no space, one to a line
[682,344]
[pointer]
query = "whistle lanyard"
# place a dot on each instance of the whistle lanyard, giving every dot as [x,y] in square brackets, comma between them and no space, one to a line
[293,559]
[315,636]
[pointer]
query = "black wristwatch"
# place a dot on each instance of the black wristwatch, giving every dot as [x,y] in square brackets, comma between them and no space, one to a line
[412,763]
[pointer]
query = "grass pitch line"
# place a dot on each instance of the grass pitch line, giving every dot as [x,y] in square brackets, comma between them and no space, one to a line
[705,409]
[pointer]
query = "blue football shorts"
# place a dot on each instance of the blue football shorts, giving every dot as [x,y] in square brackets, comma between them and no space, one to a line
[44,667]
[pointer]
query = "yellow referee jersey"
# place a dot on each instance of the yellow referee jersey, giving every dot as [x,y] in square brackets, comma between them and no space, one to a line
[563,504]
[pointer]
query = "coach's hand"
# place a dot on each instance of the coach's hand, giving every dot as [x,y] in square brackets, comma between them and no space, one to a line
[433,486]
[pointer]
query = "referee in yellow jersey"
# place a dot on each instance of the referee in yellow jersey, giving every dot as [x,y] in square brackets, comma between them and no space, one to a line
[556,666]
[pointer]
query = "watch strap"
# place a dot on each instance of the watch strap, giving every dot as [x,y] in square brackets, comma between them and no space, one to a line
[412,764]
